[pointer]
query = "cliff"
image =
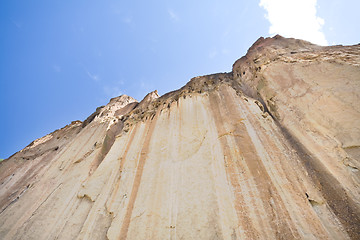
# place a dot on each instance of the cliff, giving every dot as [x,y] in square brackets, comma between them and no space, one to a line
[270,150]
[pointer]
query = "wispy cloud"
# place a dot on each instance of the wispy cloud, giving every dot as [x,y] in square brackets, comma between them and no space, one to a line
[143,87]
[94,77]
[17,24]
[56,68]
[173,15]
[225,51]
[213,54]
[112,91]
[128,20]
[120,82]
[295,18]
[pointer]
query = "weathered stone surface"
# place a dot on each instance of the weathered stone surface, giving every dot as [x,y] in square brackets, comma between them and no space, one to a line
[268,151]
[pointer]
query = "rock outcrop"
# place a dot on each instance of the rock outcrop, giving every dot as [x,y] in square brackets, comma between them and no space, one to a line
[270,150]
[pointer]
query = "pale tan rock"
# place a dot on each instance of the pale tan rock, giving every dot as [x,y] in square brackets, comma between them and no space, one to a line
[268,151]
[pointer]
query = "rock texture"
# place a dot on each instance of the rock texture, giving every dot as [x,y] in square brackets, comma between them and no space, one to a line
[268,151]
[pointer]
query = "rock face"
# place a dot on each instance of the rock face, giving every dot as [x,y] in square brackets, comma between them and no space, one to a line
[270,150]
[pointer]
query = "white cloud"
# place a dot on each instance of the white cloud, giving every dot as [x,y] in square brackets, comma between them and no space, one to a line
[225,51]
[17,24]
[120,82]
[127,20]
[56,68]
[112,91]
[295,18]
[93,76]
[213,54]
[173,15]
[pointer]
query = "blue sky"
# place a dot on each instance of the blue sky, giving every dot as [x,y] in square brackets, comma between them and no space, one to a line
[59,60]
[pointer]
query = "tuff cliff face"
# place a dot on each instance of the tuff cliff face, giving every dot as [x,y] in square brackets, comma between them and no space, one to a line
[270,150]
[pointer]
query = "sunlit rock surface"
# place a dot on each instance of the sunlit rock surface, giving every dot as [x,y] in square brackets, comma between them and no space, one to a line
[268,151]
